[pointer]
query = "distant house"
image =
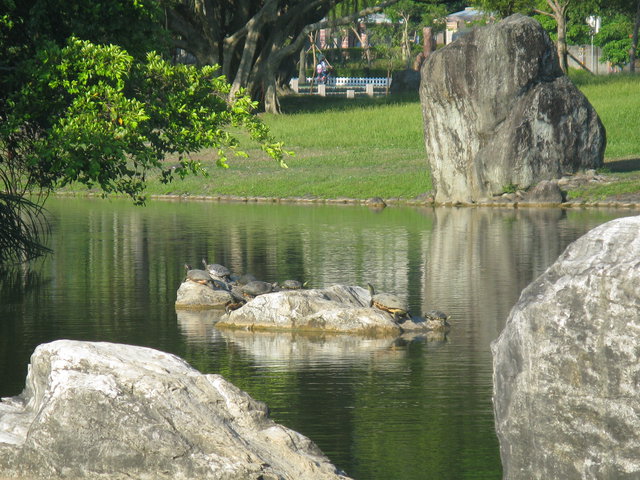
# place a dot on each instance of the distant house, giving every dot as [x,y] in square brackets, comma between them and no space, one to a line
[459,23]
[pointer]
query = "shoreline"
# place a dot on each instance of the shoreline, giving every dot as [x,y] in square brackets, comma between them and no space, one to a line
[380,203]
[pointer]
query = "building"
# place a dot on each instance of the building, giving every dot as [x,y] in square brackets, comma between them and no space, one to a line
[459,23]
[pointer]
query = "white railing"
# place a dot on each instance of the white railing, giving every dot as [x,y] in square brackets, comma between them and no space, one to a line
[350,81]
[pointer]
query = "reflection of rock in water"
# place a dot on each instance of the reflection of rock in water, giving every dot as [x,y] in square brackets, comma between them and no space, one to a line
[298,350]
[197,326]
[480,254]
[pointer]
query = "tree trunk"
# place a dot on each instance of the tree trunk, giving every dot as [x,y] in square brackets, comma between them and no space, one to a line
[364,42]
[302,66]
[267,14]
[251,39]
[633,54]
[406,46]
[562,43]
[559,10]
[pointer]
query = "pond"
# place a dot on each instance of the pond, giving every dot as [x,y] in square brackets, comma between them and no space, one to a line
[379,408]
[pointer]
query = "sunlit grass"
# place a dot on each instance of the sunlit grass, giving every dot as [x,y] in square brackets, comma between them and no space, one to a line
[374,147]
[616,98]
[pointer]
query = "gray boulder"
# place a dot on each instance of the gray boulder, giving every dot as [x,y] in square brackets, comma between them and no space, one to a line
[337,308]
[547,191]
[498,111]
[567,364]
[196,296]
[100,410]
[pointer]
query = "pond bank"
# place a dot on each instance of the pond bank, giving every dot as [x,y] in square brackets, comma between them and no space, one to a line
[506,200]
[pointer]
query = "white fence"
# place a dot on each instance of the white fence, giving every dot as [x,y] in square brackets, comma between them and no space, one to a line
[349,81]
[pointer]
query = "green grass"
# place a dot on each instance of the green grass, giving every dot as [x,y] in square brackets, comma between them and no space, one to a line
[616,98]
[374,147]
[357,149]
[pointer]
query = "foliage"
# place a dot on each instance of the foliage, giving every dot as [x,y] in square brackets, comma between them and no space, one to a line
[95,114]
[614,38]
[397,39]
[503,8]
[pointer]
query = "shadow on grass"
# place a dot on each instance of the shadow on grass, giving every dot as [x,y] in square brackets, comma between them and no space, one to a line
[626,165]
[318,104]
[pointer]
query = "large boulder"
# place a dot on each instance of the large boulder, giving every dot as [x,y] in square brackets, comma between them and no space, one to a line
[337,308]
[567,364]
[101,410]
[498,112]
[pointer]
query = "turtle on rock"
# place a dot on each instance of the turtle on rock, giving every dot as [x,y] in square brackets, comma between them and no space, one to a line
[245,278]
[257,287]
[293,285]
[216,270]
[389,303]
[237,301]
[198,276]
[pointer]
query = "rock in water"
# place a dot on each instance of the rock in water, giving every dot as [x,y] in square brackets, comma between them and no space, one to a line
[195,296]
[567,365]
[101,410]
[338,308]
[498,112]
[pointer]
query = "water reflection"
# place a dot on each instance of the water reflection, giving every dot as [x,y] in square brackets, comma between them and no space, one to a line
[296,351]
[198,326]
[380,409]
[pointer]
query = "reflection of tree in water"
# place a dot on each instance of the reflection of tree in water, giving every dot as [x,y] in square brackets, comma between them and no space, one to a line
[16,282]
[23,227]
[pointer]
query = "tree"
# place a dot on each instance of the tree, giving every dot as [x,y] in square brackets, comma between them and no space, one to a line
[558,10]
[615,39]
[411,16]
[76,111]
[559,14]
[393,40]
[254,41]
[503,8]
[631,10]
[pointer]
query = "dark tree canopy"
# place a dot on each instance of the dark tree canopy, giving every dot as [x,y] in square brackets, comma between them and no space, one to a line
[254,41]
[77,106]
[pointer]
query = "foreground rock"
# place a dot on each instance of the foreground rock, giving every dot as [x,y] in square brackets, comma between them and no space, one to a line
[566,366]
[195,296]
[498,112]
[100,410]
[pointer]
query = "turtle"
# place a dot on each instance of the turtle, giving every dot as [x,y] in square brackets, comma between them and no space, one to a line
[389,303]
[246,278]
[237,300]
[257,287]
[293,285]
[198,276]
[437,320]
[216,270]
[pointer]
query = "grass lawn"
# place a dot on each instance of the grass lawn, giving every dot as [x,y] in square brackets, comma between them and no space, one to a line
[356,149]
[374,147]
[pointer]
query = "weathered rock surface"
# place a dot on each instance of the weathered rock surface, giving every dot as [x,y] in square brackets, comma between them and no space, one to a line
[100,410]
[567,364]
[546,192]
[498,111]
[337,308]
[193,295]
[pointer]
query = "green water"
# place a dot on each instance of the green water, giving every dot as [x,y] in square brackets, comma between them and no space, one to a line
[379,408]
